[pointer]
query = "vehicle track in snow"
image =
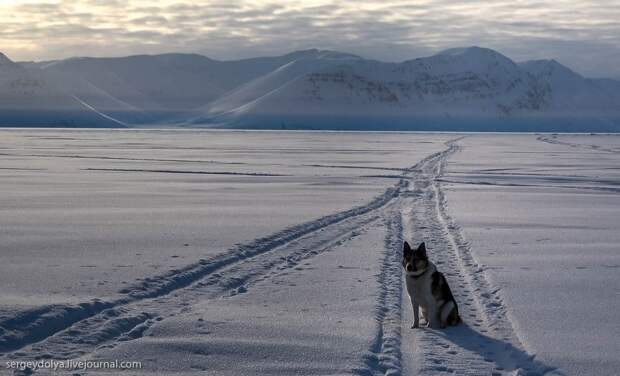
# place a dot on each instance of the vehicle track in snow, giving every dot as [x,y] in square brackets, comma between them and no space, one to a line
[130,321]
[485,343]
[103,323]
[414,209]
[554,140]
[71,331]
[385,355]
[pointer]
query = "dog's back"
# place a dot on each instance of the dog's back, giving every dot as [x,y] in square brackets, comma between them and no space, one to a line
[448,309]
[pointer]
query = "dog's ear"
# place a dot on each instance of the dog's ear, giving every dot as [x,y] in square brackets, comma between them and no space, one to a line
[407,249]
[422,249]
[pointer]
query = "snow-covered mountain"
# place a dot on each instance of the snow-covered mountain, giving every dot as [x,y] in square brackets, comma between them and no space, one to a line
[150,89]
[566,90]
[457,89]
[251,94]
[32,98]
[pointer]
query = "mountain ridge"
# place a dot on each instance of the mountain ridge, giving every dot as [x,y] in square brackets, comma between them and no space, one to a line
[318,88]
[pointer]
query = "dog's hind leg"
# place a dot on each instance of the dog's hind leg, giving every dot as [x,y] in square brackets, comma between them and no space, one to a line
[448,313]
[433,320]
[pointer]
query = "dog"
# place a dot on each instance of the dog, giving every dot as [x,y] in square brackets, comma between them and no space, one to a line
[428,289]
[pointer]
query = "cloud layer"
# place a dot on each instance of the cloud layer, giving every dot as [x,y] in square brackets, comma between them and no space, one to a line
[581,34]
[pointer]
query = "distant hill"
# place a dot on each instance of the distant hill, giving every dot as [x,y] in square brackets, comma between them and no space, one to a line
[464,89]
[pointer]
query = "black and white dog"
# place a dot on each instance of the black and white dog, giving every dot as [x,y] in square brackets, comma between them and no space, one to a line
[428,289]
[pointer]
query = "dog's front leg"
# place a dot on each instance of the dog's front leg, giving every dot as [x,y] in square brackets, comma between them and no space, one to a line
[416,313]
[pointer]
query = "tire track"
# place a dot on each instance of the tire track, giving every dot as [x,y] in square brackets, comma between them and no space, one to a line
[486,343]
[116,322]
[31,326]
[385,355]
[63,331]
[131,321]
[554,140]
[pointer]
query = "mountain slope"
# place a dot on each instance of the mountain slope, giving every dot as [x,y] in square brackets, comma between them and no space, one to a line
[30,98]
[459,89]
[158,88]
[171,81]
[250,93]
[569,91]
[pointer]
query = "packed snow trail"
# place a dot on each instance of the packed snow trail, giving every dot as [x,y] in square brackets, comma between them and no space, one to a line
[384,355]
[386,352]
[70,331]
[62,332]
[485,343]
[414,209]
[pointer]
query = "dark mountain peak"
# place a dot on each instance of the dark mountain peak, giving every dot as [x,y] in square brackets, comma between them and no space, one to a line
[4,60]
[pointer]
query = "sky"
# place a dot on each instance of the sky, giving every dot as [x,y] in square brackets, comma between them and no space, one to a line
[584,35]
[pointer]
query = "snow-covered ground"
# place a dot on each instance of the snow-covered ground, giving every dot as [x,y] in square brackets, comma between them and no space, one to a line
[542,214]
[254,253]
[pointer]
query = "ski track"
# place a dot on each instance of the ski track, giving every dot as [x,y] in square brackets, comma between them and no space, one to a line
[70,331]
[485,344]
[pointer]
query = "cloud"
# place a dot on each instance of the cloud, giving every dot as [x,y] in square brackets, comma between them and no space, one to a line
[581,34]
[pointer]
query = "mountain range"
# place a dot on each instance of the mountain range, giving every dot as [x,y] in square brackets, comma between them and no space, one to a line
[461,89]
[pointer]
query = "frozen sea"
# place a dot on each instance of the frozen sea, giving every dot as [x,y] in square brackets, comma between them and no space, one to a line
[264,252]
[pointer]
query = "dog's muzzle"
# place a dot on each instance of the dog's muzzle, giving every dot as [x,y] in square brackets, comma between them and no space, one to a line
[415,274]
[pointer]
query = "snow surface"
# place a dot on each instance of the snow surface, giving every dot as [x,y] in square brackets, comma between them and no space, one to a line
[258,253]
[541,213]
[100,209]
